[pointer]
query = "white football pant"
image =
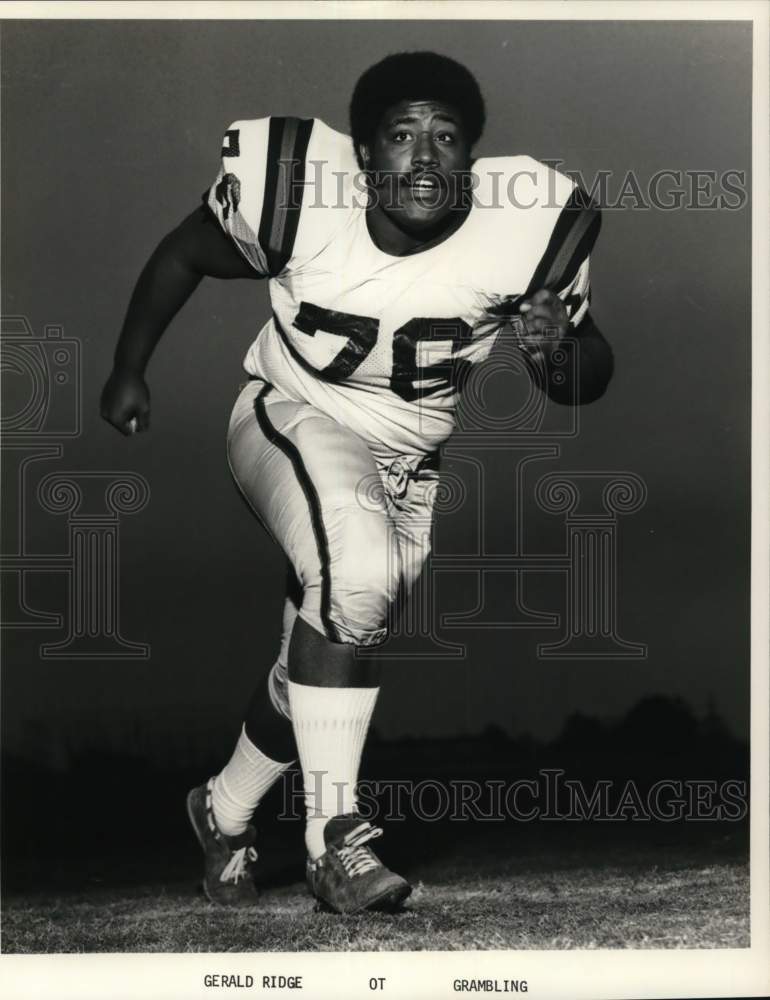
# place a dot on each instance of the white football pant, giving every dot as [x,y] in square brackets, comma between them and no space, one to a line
[355,527]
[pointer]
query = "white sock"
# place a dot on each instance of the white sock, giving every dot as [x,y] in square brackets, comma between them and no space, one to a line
[239,787]
[330,726]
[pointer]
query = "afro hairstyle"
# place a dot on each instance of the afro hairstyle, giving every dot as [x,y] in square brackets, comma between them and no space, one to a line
[415,76]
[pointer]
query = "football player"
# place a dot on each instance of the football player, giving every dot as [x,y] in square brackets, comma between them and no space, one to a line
[395,261]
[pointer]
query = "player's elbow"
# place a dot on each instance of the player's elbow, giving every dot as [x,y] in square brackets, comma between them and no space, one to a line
[594,366]
[586,388]
[596,376]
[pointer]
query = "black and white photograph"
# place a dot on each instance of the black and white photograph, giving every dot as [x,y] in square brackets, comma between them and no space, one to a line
[384,500]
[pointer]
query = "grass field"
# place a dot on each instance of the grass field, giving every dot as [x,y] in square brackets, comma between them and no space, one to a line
[489,887]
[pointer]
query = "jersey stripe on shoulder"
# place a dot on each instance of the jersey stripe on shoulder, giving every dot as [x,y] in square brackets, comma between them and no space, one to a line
[571,242]
[284,179]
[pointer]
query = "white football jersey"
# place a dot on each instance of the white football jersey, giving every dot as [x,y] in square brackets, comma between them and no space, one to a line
[379,342]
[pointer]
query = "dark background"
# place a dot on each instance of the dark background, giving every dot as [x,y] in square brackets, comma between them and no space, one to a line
[111,131]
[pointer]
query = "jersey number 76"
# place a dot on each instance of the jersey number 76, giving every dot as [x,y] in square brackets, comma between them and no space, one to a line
[409,379]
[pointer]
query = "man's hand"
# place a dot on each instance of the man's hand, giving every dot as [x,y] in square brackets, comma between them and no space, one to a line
[545,323]
[540,324]
[125,401]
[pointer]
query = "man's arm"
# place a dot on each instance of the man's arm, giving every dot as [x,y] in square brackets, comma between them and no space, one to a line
[592,355]
[547,327]
[196,248]
[555,311]
[596,363]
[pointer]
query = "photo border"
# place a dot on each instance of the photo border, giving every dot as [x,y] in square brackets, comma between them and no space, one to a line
[415,975]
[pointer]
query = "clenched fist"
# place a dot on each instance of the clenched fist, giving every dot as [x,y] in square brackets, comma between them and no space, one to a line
[125,402]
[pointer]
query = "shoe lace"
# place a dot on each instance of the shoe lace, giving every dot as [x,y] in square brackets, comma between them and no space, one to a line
[238,865]
[356,858]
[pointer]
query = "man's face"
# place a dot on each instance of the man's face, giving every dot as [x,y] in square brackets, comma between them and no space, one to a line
[419,152]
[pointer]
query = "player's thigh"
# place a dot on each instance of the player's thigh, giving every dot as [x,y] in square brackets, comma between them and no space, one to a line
[262,471]
[353,528]
[303,475]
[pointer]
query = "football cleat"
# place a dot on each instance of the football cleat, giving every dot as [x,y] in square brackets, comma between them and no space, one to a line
[350,877]
[228,874]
